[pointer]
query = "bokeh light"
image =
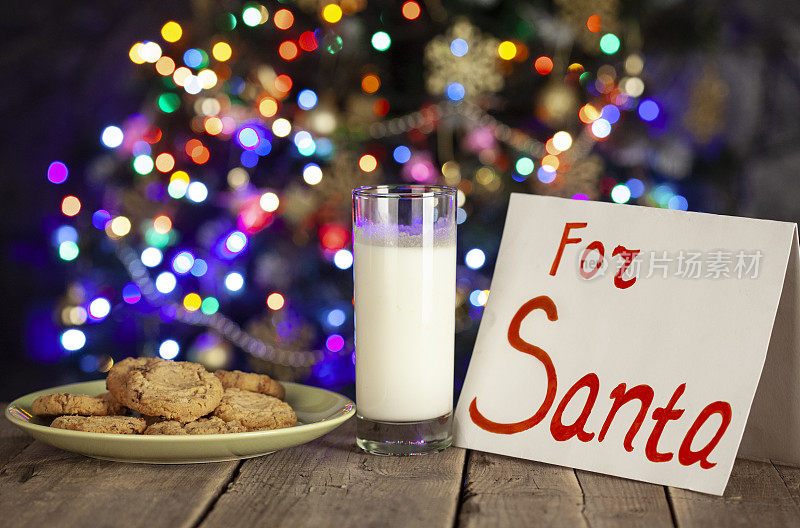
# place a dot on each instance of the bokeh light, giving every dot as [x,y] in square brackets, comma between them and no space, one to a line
[507,50]
[171,31]
[331,13]
[151,257]
[609,43]
[131,293]
[281,127]
[381,41]
[68,250]
[166,282]
[336,317]
[192,302]
[169,349]
[221,51]
[312,174]
[269,201]
[343,259]
[455,91]
[543,65]
[334,342]
[601,128]
[620,194]
[112,136]
[197,192]
[307,99]
[252,16]
[99,308]
[459,47]
[524,166]
[182,262]
[57,172]
[411,10]
[72,339]
[475,258]
[367,163]
[562,140]
[209,306]
[120,226]
[275,301]
[70,205]
[234,281]
[648,110]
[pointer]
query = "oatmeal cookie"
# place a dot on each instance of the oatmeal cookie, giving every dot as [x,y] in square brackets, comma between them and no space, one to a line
[63,403]
[100,424]
[176,390]
[212,425]
[254,410]
[119,372]
[252,382]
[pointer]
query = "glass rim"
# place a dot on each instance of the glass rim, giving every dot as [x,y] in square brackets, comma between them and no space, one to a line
[400,191]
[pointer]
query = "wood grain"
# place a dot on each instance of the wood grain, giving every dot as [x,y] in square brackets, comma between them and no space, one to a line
[12,439]
[331,482]
[613,501]
[44,486]
[503,491]
[756,496]
[791,478]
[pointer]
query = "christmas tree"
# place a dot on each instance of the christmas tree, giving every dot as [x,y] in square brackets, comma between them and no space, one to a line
[215,224]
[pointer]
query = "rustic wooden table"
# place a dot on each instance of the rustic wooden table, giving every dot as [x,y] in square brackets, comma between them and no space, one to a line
[330,482]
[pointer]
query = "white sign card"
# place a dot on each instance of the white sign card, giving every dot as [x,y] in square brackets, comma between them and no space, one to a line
[630,341]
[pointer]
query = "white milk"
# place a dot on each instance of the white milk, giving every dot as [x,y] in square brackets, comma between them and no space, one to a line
[405,326]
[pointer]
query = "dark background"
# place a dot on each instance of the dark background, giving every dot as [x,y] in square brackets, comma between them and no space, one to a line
[58,61]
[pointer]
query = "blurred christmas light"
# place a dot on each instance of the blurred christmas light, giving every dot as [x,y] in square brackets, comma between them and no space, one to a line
[636,187]
[73,339]
[332,13]
[99,308]
[275,301]
[343,259]
[367,163]
[166,282]
[281,127]
[209,306]
[70,205]
[171,31]
[112,136]
[68,250]
[131,293]
[182,262]
[601,128]
[192,302]
[197,192]
[411,10]
[543,65]
[169,349]
[251,16]
[524,166]
[609,44]
[57,172]
[475,258]
[381,41]
[620,194]
[151,257]
[283,19]
[312,174]
[648,110]
[143,164]
[678,203]
[334,342]
[562,140]
[234,281]
[336,317]
[455,91]
[269,201]
[459,47]
[506,50]
[307,99]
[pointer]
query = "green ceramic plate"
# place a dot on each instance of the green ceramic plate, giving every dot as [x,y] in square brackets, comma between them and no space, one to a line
[318,412]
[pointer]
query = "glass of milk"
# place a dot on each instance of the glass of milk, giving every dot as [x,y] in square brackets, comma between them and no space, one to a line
[404,244]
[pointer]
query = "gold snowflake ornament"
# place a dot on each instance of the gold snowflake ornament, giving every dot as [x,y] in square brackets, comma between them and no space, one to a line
[471,63]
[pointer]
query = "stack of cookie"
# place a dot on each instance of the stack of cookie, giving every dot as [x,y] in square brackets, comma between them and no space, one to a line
[172,398]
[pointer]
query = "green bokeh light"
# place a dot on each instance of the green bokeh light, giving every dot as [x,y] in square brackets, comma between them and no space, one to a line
[68,250]
[609,44]
[209,306]
[169,102]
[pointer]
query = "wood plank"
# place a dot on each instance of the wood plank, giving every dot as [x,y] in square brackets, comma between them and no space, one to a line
[614,501]
[43,485]
[791,478]
[505,491]
[12,439]
[331,482]
[756,496]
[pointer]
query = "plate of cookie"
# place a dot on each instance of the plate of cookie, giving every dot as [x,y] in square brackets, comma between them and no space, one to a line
[149,410]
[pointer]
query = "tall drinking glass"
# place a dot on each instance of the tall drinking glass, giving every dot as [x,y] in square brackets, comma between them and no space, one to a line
[404,244]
